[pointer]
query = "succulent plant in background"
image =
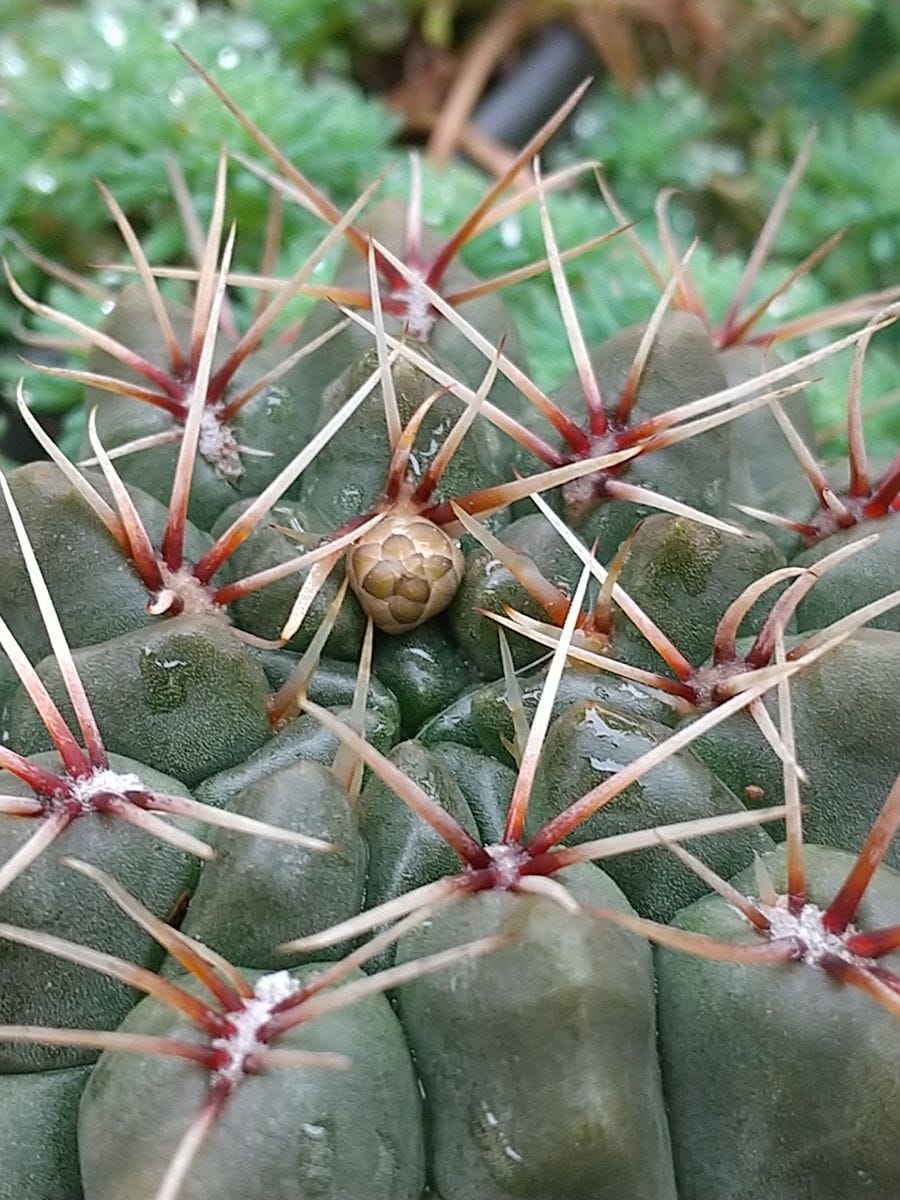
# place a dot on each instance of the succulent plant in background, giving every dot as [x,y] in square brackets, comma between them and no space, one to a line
[258,716]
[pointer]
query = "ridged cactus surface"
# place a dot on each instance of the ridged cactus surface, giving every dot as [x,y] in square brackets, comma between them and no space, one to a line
[419,784]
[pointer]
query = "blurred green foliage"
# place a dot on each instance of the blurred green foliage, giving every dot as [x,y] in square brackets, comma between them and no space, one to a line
[96,90]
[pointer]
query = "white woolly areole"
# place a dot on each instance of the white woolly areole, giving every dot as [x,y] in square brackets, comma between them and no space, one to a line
[218,446]
[268,992]
[808,928]
[195,596]
[85,789]
[420,317]
[508,860]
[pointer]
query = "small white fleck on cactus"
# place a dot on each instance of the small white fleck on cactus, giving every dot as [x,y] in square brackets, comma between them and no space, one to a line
[405,571]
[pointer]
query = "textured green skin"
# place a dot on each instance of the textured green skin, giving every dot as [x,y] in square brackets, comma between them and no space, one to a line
[684,575]
[40,989]
[264,612]
[38,1143]
[587,744]
[303,739]
[334,494]
[480,718]
[793,497]
[191,719]
[488,585]
[454,724]
[424,669]
[857,581]
[846,709]
[297,1132]
[761,456]
[387,220]
[780,1083]
[486,784]
[404,851]
[539,1060]
[682,366]
[256,893]
[97,593]
[493,722]
[277,420]
[333,685]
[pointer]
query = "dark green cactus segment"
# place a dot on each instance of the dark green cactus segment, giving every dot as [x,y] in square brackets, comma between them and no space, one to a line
[97,593]
[493,722]
[682,366]
[590,742]
[265,612]
[488,585]
[780,1082]
[281,1134]
[539,1060]
[335,494]
[38,1138]
[332,685]
[277,421]
[454,724]
[846,709]
[761,457]
[424,670]
[40,989]
[684,575]
[405,852]
[387,222]
[182,694]
[852,584]
[486,784]
[303,739]
[256,894]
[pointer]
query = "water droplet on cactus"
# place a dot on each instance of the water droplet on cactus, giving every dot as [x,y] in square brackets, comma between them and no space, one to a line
[80,77]
[12,64]
[511,232]
[110,26]
[176,16]
[39,179]
[228,58]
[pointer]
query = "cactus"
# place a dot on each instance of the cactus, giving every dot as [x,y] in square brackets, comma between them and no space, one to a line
[370,714]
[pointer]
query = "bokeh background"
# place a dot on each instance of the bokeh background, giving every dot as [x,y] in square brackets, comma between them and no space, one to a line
[710,97]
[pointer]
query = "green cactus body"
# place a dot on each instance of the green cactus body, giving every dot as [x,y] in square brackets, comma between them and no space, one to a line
[97,593]
[682,366]
[38,1138]
[780,1082]
[849,586]
[404,852]
[277,421]
[846,714]
[684,575]
[492,720]
[486,784]
[435,334]
[39,989]
[311,1132]
[265,612]
[424,669]
[183,694]
[335,495]
[538,1060]
[333,684]
[488,585]
[302,739]
[590,742]
[257,893]
[760,454]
